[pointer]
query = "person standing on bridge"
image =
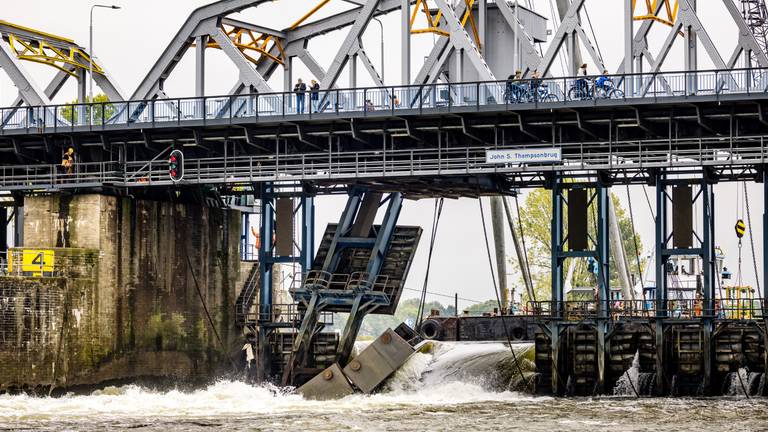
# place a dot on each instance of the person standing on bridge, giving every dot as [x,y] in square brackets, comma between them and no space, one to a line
[314,96]
[68,161]
[301,92]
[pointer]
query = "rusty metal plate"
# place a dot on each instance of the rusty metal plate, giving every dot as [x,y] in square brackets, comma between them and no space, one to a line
[378,361]
[329,384]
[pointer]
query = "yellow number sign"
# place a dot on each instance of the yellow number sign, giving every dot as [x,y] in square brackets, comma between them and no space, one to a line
[34,261]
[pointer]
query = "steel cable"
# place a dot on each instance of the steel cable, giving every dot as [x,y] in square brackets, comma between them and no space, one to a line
[435,222]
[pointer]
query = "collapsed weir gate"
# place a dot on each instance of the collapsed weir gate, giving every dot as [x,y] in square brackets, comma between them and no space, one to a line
[359,268]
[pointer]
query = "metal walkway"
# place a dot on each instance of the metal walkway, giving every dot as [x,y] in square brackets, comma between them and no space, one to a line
[496,96]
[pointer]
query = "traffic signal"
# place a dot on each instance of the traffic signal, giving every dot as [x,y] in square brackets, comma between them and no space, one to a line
[176,165]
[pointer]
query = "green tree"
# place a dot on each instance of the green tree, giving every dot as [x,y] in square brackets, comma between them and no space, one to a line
[536,217]
[71,112]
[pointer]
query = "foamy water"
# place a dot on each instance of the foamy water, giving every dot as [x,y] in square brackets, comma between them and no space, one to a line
[429,393]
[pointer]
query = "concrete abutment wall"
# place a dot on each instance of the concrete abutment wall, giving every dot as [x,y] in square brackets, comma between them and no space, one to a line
[136,310]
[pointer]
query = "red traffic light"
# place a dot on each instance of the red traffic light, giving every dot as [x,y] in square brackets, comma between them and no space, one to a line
[176,165]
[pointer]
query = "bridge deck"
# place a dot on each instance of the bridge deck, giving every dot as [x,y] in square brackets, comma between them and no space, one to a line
[676,120]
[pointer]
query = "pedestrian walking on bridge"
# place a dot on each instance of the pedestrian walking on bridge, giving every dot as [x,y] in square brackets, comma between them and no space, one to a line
[301,93]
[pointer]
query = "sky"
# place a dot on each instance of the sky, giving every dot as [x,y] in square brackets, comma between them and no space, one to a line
[128,41]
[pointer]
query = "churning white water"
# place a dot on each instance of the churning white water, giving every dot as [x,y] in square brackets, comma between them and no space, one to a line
[635,383]
[452,387]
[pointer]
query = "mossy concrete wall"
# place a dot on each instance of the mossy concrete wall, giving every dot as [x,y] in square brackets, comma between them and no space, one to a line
[139,312]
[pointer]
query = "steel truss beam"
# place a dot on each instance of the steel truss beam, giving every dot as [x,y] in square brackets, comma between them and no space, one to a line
[71,60]
[569,32]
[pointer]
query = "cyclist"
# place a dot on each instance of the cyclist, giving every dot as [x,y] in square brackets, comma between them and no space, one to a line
[535,84]
[582,84]
[605,83]
[514,90]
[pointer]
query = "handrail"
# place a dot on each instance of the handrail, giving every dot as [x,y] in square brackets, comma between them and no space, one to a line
[367,101]
[724,309]
[577,156]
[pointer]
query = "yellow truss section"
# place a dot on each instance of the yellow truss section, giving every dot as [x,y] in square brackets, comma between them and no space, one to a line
[51,50]
[253,45]
[433,21]
[651,7]
[256,46]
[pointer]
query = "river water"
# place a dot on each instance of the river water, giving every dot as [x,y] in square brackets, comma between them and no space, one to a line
[449,389]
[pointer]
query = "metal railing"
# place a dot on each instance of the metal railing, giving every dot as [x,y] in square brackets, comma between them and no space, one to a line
[373,101]
[288,314]
[683,309]
[353,165]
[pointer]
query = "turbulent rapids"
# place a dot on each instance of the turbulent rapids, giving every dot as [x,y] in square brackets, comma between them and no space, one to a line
[447,386]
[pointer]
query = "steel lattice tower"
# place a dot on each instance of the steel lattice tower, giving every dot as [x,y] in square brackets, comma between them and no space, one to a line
[755,14]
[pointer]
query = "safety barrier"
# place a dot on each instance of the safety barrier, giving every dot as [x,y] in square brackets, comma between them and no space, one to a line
[355,165]
[438,97]
[682,309]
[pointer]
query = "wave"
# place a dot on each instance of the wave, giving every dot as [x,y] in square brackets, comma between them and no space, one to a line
[445,374]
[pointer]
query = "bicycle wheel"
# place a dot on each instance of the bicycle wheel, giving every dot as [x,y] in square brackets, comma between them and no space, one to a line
[600,93]
[574,94]
[616,94]
[550,98]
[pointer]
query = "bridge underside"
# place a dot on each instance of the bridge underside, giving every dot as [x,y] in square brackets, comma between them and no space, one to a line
[621,141]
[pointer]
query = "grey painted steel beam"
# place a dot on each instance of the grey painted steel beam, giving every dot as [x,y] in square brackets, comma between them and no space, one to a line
[248,75]
[529,55]
[747,41]
[368,64]
[569,28]
[461,41]
[364,17]
[564,10]
[170,57]
[253,27]
[28,90]
[405,47]
[339,21]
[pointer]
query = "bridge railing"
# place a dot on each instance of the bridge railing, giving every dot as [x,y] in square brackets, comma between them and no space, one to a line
[435,97]
[577,156]
[727,308]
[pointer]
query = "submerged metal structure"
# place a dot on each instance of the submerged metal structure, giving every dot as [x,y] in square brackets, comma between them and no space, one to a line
[443,131]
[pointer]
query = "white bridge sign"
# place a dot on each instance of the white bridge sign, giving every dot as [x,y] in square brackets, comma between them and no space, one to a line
[541,155]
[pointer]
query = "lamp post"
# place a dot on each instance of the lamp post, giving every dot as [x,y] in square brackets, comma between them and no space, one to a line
[91,56]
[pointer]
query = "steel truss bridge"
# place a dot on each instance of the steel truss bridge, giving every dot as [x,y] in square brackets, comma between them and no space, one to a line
[720,125]
[681,132]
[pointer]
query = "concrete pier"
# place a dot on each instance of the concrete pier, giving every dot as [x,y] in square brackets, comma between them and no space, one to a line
[122,295]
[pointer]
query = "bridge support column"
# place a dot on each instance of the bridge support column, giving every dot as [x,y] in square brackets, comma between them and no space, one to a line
[557,248]
[682,237]
[708,252]
[580,247]
[603,280]
[765,243]
[266,263]
[307,232]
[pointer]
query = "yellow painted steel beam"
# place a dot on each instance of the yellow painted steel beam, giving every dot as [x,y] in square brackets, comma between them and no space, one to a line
[44,53]
[309,14]
[651,6]
[433,22]
[49,49]
[41,34]
[252,44]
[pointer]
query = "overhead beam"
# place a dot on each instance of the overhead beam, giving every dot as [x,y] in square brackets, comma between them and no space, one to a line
[364,17]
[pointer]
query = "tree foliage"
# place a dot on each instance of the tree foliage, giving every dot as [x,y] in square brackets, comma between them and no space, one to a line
[536,217]
[74,113]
